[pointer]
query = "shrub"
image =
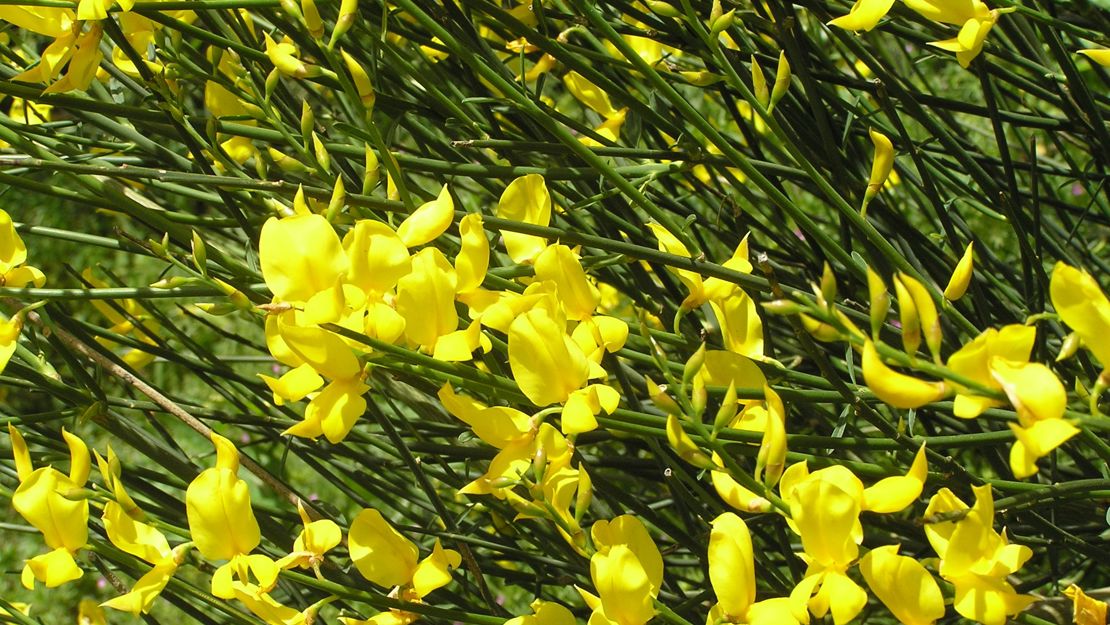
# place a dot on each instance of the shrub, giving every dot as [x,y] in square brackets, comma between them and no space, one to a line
[536,313]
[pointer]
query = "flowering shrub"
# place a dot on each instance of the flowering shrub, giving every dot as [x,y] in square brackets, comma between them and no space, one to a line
[555,312]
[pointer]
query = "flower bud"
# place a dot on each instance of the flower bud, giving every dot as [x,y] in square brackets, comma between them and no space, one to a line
[961,276]
[1069,347]
[312,21]
[880,168]
[782,307]
[584,495]
[820,330]
[759,83]
[727,412]
[693,365]
[927,315]
[348,10]
[721,24]
[907,315]
[662,400]
[361,81]
[373,175]
[321,153]
[286,162]
[782,81]
[338,199]
[880,301]
[828,285]
[200,254]
[662,9]
[684,446]
[699,397]
[308,121]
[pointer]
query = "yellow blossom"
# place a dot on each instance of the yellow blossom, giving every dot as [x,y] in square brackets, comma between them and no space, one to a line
[864,15]
[1083,306]
[42,499]
[218,503]
[527,200]
[905,587]
[1086,610]
[897,389]
[975,558]
[428,221]
[732,576]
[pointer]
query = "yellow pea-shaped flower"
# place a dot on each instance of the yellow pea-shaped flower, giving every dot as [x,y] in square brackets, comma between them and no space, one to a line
[218,506]
[897,389]
[864,15]
[560,264]
[546,363]
[903,585]
[380,553]
[526,200]
[429,221]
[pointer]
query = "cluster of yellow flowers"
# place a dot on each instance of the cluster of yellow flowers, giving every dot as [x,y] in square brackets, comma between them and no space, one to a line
[348,292]
[222,528]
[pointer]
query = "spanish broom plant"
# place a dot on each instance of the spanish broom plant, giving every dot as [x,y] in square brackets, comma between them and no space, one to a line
[554,312]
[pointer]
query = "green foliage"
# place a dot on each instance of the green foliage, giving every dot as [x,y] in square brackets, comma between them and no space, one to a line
[188,131]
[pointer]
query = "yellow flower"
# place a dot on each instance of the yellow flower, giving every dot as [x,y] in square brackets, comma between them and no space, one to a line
[589,94]
[48,21]
[82,64]
[1040,400]
[824,510]
[883,163]
[268,609]
[218,506]
[560,264]
[378,257]
[1098,55]
[864,15]
[426,298]
[903,585]
[41,499]
[732,575]
[284,57]
[473,259]
[670,244]
[526,200]
[498,426]
[1086,610]
[975,558]
[123,524]
[974,18]
[550,368]
[428,221]
[1083,306]
[385,557]
[303,262]
[545,613]
[13,255]
[897,389]
[316,539]
[627,571]
[9,338]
